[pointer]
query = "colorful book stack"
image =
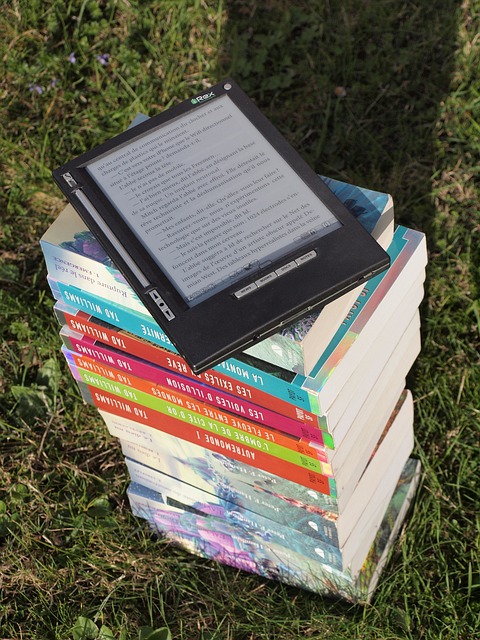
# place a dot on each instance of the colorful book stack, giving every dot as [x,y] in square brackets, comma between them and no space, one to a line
[290,460]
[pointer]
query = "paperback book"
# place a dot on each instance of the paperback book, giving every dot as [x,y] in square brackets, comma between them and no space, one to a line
[213,538]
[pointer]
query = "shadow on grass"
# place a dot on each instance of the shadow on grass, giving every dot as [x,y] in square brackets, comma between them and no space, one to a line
[355,86]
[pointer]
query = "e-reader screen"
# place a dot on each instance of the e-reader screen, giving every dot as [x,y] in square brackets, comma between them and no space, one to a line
[210,199]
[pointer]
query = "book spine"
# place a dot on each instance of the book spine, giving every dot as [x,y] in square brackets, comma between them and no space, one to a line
[272,452]
[145,370]
[177,493]
[251,429]
[84,272]
[173,423]
[290,391]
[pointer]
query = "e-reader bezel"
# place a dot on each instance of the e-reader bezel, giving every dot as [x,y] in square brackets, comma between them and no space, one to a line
[226,322]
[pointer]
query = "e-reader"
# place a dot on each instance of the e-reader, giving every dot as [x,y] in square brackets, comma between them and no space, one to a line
[219,226]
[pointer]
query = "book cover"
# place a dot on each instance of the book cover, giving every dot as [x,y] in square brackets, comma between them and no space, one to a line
[357,334]
[212,538]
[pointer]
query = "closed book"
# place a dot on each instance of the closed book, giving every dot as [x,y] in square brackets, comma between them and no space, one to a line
[212,538]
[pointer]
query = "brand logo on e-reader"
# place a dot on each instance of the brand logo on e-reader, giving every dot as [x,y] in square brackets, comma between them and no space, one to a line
[207,96]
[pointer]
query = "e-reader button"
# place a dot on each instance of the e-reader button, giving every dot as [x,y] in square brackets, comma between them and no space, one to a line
[306,257]
[245,290]
[266,279]
[161,304]
[286,268]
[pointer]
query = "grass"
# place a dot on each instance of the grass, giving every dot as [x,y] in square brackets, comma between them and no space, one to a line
[408,123]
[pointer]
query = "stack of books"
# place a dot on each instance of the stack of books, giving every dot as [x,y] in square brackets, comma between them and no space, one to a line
[290,460]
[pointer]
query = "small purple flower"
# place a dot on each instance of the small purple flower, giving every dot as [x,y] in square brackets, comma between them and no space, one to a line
[103,59]
[72,58]
[37,88]
[53,83]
